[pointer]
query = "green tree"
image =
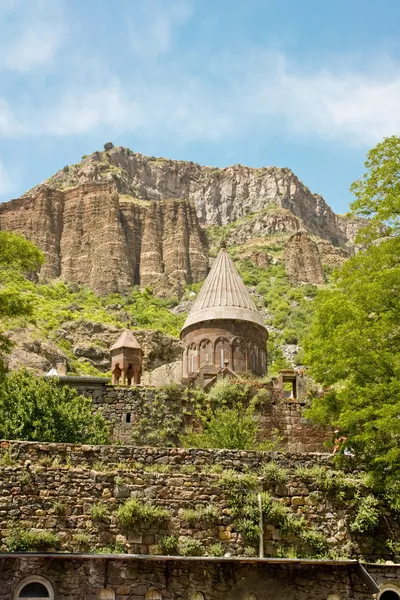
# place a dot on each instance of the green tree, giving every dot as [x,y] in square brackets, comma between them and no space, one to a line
[18,256]
[225,428]
[377,192]
[354,348]
[39,409]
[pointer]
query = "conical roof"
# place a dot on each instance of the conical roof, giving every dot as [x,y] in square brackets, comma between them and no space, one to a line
[125,340]
[223,296]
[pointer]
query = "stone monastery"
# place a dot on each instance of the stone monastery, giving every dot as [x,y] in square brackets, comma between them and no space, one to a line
[135,522]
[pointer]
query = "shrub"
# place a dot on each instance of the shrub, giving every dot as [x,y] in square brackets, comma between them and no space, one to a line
[134,513]
[367,517]
[234,428]
[203,515]
[108,146]
[216,549]
[250,551]
[249,530]
[23,540]
[168,545]
[315,540]
[237,487]
[191,547]
[281,516]
[83,541]
[59,508]
[274,473]
[98,512]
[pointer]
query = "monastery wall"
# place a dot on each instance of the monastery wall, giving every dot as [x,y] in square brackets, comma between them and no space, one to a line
[280,418]
[74,578]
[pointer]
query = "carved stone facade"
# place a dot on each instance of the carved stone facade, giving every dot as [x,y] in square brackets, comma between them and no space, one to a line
[224,333]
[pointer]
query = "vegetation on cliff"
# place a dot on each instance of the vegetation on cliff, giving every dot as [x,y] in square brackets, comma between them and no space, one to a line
[17,257]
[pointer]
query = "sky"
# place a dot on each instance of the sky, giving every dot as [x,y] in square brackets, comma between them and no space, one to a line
[305,84]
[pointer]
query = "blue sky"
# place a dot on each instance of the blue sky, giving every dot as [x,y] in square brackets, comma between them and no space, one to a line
[309,84]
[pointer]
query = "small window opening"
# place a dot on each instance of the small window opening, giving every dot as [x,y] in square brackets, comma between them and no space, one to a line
[389,595]
[34,590]
[128,417]
[290,387]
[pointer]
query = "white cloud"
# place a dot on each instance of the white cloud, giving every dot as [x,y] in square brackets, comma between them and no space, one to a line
[33,37]
[153,24]
[357,107]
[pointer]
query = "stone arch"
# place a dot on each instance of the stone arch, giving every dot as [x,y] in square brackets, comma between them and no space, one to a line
[153,595]
[34,587]
[239,355]
[116,374]
[389,592]
[221,351]
[205,352]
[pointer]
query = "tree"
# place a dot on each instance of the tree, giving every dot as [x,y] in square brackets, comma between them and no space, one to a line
[226,428]
[228,420]
[378,191]
[354,348]
[108,146]
[18,256]
[40,409]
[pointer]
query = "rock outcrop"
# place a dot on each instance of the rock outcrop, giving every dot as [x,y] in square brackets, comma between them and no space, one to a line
[90,236]
[221,196]
[91,342]
[302,260]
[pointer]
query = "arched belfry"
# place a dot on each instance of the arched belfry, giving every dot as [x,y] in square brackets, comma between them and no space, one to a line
[224,330]
[126,360]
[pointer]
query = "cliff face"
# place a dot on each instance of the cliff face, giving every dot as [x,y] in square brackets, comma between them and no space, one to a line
[221,196]
[302,260]
[119,219]
[92,236]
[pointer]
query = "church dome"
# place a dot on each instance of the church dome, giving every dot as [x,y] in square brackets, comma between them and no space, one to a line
[223,296]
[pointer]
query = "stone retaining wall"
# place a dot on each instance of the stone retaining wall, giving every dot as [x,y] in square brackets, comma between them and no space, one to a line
[53,487]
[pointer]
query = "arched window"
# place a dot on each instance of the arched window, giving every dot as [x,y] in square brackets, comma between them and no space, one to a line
[239,358]
[197,596]
[389,594]
[34,588]
[153,595]
[192,359]
[221,352]
[205,352]
[251,597]
[106,594]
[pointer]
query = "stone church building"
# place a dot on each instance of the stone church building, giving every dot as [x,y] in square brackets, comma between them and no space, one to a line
[224,334]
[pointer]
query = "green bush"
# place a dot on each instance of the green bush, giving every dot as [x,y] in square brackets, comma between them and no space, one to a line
[191,547]
[216,549]
[134,512]
[272,472]
[248,529]
[169,545]
[98,512]
[201,516]
[234,428]
[367,517]
[24,540]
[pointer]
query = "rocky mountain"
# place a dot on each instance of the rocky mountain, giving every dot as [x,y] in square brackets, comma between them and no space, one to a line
[119,219]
